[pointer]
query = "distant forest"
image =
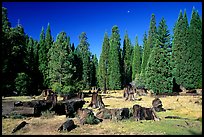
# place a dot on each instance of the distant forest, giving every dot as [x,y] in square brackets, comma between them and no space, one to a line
[29,66]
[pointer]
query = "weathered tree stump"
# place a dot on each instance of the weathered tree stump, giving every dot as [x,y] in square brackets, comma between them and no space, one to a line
[67,126]
[129,92]
[157,105]
[142,113]
[96,101]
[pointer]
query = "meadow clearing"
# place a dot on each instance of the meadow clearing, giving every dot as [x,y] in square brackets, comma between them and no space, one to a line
[189,108]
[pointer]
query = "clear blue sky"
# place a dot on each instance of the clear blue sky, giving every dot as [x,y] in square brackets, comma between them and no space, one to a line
[95,18]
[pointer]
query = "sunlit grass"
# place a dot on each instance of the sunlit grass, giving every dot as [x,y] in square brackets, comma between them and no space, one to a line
[182,106]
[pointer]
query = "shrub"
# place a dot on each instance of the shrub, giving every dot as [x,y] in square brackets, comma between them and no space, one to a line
[91,119]
[48,114]
[22,83]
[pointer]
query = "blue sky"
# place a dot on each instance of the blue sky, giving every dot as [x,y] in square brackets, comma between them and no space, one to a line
[95,18]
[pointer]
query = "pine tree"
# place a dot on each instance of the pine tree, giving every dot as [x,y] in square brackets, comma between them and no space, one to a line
[145,57]
[158,70]
[194,52]
[136,64]
[93,70]
[48,44]
[5,52]
[152,32]
[85,56]
[60,64]
[126,58]
[114,60]
[103,64]
[42,57]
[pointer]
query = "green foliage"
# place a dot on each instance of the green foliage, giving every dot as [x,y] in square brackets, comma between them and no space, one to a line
[137,59]
[93,70]
[16,116]
[103,64]
[152,34]
[69,89]
[57,87]
[114,69]
[158,70]
[47,114]
[60,64]
[145,57]
[127,60]
[85,54]
[22,83]
[91,119]
[194,53]
[187,62]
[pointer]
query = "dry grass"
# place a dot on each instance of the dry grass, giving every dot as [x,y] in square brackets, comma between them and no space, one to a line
[183,106]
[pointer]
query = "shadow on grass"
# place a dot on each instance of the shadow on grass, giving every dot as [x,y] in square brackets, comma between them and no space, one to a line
[194,133]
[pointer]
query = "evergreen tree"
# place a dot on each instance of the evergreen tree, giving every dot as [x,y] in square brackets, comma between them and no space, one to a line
[60,64]
[85,56]
[5,51]
[93,70]
[152,32]
[114,60]
[177,48]
[145,57]
[48,44]
[126,58]
[103,64]
[42,57]
[194,53]
[158,70]
[136,64]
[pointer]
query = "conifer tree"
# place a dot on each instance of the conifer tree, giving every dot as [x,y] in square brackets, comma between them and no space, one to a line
[194,52]
[158,70]
[114,69]
[60,64]
[145,57]
[103,64]
[136,64]
[85,56]
[152,32]
[127,58]
[42,57]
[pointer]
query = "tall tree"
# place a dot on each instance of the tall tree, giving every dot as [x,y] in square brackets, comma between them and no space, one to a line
[103,64]
[48,44]
[137,58]
[126,58]
[114,60]
[85,56]
[158,70]
[93,70]
[194,52]
[5,50]
[145,57]
[60,64]
[177,48]
[152,32]
[42,57]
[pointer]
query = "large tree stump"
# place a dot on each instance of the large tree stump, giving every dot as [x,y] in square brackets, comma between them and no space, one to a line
[67,125]
[142,113]
[129,92]
[157,105]
[96,101]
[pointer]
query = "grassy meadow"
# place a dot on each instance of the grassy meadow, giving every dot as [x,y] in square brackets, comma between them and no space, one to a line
[187,107]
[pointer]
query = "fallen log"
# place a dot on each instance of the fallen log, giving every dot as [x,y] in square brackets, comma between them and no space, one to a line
[21,125]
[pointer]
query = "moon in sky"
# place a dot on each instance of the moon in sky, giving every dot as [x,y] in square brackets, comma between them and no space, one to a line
[128,11]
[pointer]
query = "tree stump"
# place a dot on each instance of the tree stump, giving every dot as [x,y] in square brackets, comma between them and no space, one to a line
[96,101]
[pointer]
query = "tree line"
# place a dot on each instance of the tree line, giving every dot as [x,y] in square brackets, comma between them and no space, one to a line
[28,65]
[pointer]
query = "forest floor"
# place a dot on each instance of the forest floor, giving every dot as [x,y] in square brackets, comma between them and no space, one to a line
[187,107]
